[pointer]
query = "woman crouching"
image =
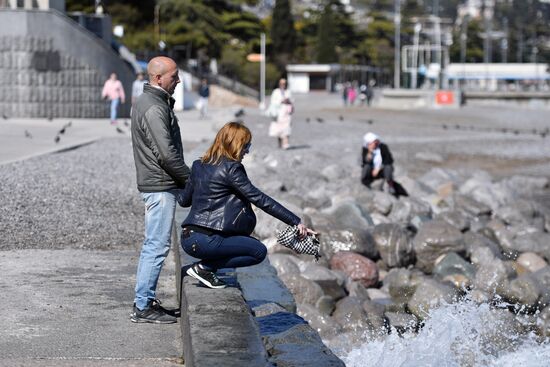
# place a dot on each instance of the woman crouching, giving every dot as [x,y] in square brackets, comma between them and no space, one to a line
[218,227]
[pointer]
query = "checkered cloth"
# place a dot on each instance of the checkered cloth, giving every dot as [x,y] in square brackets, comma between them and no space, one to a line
[288,237]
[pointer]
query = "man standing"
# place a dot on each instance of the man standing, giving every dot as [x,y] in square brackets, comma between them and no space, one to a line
[377,162]
[160,168]
[113,91]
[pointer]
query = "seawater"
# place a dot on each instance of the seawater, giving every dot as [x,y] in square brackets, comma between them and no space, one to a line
[460,334]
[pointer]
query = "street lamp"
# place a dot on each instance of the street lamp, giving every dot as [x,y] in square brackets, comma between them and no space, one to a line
[397,42]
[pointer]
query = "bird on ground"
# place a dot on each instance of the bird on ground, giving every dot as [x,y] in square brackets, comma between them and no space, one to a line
[457,127]
[320,120]
[369,121]
[28,134]
[341,118]
[50,118]
[516,132]
[62,131]
[119,130]
[307,119]
[445,127]
[69,124]
[126,123]
[543,134]
[4,116]
[239,113]
[56,139]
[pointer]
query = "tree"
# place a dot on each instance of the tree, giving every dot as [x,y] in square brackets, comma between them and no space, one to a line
[283,34]
[326,37]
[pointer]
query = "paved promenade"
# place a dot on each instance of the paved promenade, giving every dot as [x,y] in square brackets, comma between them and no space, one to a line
[70,306]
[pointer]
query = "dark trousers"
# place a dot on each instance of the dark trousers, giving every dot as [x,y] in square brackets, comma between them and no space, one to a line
[386,173]
[221,251]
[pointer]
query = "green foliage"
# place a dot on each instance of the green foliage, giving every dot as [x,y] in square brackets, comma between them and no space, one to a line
[377,49]
[326,37]
[283,34]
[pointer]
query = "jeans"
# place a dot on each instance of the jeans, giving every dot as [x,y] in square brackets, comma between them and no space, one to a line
[386,173]
[221,251]
[159,216]
[114,106]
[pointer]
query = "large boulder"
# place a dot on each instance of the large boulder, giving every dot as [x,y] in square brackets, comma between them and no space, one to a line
[303,290]
[401,283]
[394,245]
[456,218]
[475,241]
[531,262]
[352,239]
[356,266]
[451,264]
[517,212]
[402,322]
[469,206]
[267,226]
[349,313]
[491,276]
[430,294]
[331,284]
[322,323]
[406,208]
[434,239]
[284,264]
[347,213]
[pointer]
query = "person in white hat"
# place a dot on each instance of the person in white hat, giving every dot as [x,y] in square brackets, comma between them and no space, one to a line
[377,162]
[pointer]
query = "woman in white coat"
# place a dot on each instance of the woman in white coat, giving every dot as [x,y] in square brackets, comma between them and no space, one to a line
[280,111]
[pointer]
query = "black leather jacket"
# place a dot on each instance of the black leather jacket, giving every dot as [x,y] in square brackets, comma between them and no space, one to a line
[220,196]
[158,151]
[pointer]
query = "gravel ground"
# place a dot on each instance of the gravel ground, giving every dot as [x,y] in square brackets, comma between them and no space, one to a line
[84,198]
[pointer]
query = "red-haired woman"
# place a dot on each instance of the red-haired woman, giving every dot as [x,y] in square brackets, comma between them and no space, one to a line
[218,227]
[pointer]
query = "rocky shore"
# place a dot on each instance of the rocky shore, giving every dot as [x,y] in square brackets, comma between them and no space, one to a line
[463,235]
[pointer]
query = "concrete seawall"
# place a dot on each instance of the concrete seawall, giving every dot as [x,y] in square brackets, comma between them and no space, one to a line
[250,323]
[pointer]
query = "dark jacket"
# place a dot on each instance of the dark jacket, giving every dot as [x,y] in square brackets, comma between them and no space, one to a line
[158,151]
[387,158]
[204,91]
[220,196]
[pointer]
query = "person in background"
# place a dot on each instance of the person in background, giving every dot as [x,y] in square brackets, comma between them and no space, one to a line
[352,94]
[377,162]
[160,171]
[204,94]
[280,111]
[137,87]
[345,93]
[114,92]
[218,227]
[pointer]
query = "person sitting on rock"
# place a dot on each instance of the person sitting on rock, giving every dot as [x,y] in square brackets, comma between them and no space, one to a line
[221,220]
[377,162]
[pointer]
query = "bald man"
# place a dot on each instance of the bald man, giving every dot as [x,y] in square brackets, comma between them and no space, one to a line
[160,169]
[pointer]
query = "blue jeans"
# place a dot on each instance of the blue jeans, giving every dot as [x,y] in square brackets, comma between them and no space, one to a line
[220,251]
[114,106]
[159,216]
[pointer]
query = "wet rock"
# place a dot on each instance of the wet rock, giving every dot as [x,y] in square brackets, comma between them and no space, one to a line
[474,241]
[357,290]
[543,322]
[402,283]
[393,244]
[348,214]
[267,309]
[523,290]
[402,322]
[455,218]
[407,208]
[319,321]
[504,236]
[382,202]
[542,277]
[499,332]
[532,241]
[303,290]
[451,264]
[517,212]
[356,266]
[350,315]
[299,346]
[353,239]
[531,261]
[491,276]
[428,295]
[329,282]
[433,240]
[375,315]
[379,296]
[325,305]
[284,264]
[488,193]
[317,198]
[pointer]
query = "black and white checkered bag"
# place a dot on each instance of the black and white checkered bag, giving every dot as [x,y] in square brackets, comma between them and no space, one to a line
[288,237]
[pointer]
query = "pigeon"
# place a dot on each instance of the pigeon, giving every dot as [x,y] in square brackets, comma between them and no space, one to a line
[543,134]
[307,119]
[28,134]
[504,130]
[69,124]
[516,132]
[56,139]
[320,120]
[62,131]
[341,118]
[457,127]
[50,118]
[369,121]
[119,130]
[445,127]
[239,113]
[4,116]
[64,128]
[126,123]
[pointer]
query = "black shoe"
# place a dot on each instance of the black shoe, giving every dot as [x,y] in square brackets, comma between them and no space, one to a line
[208,278]
[155,314]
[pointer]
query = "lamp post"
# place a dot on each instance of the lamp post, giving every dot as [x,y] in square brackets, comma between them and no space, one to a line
[397,42]
[262,72]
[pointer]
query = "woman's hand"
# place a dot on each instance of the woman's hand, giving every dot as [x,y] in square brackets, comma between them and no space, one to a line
[303,231]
